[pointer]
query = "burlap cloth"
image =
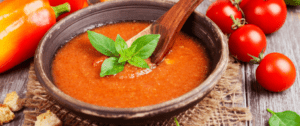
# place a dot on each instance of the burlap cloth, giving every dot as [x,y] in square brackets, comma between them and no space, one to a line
[222,106]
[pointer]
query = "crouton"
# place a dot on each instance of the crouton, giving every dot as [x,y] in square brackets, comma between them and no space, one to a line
[47,119]
[6,115]
[13,101]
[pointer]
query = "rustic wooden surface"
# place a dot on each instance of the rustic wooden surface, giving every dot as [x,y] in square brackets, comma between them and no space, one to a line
[286,41]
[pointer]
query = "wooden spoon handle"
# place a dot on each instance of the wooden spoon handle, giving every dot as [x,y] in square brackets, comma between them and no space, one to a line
[169,24]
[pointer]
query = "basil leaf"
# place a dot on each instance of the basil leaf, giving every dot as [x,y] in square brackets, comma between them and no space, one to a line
[138,62]
[120,45]
[123,59]
[130,51]
[102,43]
[125,56]
[286,118]
[144,46]
[111,66]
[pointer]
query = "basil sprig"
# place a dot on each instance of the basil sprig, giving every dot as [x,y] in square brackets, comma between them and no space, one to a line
[286,118]
[119,53]
[176,121]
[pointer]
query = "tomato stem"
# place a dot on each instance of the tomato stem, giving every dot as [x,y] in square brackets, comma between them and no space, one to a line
[236,4]
[60,9]
[257,60]
[237,22]
[254,60]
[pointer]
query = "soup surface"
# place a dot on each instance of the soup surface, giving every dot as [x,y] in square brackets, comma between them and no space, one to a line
[76,71]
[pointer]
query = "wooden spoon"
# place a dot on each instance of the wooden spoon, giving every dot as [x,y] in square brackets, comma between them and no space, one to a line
[168,25]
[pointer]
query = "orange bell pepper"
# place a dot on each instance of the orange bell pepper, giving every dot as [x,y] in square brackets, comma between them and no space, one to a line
[75,5]
[22,25]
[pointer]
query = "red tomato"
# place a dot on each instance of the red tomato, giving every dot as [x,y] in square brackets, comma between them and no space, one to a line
[75,5]
[248,39]
[269,15]
[243,3]
[220,12]
[276,72]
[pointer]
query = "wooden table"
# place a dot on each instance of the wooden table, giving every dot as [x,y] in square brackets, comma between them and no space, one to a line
[286,41]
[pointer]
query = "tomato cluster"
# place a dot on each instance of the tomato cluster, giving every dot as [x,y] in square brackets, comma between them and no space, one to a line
[269,15]
[247,41]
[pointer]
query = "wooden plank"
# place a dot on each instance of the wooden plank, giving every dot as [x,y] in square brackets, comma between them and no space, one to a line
[286,41]
[244,88]
[15,80]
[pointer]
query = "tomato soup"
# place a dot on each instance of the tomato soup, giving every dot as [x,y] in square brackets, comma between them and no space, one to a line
[77,65]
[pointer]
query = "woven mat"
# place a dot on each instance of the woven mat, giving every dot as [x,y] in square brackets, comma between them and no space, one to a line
[220,107]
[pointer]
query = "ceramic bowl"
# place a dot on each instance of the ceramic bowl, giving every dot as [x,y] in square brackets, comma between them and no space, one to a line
[198,25]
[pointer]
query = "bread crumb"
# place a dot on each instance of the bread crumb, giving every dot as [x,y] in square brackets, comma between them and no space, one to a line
[6,115]
[48,119]
[13,101]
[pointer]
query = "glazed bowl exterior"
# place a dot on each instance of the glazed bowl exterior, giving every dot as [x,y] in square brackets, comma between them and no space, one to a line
[198,25]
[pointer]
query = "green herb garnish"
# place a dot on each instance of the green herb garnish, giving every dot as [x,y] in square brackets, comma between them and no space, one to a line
[176,121]
[286,118]
[142,48]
